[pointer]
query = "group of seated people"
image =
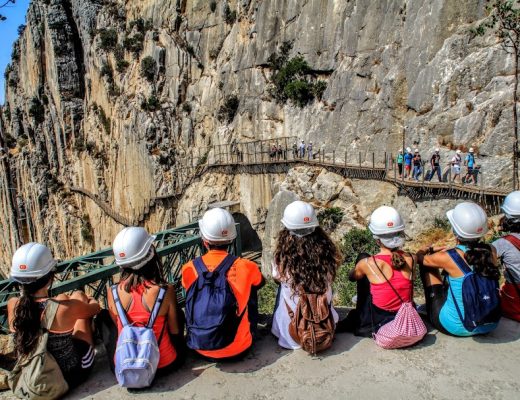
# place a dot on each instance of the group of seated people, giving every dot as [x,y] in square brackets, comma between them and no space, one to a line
[220,315]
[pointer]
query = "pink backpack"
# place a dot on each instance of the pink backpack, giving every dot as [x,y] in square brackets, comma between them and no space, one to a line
[406,329]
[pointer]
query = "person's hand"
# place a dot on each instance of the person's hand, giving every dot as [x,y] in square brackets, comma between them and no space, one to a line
[432,249]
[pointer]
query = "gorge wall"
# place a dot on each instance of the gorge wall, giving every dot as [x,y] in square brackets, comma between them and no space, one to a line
[80,112]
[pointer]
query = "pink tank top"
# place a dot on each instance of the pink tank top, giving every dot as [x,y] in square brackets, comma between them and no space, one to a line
[382,294]
[138,314]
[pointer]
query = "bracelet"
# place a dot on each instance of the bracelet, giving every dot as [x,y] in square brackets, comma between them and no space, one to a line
[430,250]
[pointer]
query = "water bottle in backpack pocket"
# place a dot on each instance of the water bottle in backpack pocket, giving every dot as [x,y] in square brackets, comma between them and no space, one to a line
[480,297]
[212,317]
[137,353]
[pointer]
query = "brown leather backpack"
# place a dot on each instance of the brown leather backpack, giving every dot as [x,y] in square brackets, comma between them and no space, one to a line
[312,324]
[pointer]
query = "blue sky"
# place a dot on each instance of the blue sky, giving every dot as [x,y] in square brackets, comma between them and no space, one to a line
[15,14]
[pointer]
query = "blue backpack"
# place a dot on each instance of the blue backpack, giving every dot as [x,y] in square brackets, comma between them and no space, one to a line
[137,352]
[212,318]
[479,295]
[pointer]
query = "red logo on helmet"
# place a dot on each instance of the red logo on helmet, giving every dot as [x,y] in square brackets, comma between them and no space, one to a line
[224,232]
[390,224]
[23,267]
[306,219]
[479,230]
[122,255]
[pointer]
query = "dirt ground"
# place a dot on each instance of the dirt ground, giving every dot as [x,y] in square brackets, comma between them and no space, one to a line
[441,367]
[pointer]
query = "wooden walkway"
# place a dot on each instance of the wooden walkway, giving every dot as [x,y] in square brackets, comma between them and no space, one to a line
[257,158]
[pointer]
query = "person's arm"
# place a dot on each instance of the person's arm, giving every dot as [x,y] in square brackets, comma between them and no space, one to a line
[112,310]
[11,306]
[79,309]
[172,317]
[358,272]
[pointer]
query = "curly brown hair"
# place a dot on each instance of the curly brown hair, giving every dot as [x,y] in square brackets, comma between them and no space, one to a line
[309,263]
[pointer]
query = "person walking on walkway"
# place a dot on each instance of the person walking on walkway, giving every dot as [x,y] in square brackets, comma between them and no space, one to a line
[469,161]
[295,150]
[408,157]
[508,252]
[417,165]
[435,164]
[302,149]
[455,164]
[309,151]
[399,161]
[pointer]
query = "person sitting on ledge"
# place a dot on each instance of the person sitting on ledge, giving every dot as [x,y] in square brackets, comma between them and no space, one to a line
[383,280]
[221,302]
[465,302]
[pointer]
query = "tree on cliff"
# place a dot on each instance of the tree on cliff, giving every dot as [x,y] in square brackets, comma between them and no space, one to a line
[504,21]
[2,5]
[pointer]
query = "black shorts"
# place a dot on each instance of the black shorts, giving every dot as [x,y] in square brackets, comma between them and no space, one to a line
[436,296]
[80,373]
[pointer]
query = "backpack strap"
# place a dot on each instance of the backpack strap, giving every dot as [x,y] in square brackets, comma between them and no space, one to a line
[223,267]
[459,261]
[386,279]
[513,240]
[51,308]
[121,313]
[156,308]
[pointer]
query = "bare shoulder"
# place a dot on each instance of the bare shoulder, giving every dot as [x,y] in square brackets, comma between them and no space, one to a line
[12,302]
[62,297]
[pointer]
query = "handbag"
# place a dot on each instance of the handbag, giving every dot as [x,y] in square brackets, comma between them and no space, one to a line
[407,328]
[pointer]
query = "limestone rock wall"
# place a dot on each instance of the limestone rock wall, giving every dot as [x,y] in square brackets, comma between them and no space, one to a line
[78,111]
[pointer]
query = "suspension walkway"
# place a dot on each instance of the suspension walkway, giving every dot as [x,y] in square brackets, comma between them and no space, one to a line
[258,157]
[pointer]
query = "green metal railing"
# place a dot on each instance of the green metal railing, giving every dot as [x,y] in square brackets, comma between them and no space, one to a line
[95,272]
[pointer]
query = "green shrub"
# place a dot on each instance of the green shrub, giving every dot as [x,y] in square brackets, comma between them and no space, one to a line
[150,104]
[36,110]
[213,6]
[319,88]
[10,141]
[228,109]
[12,83]
[134,44]
[267,297]
[21,29]
[138,23]
[7,112]
[122,65]
[90,146]
[22,143]
[357,241]
[148,68]
[230,16]
[107,71]
[344,289]
[330,217]
[86,229]
[442,223]
[105,121]
[299,92]
[108,39]
[186,107]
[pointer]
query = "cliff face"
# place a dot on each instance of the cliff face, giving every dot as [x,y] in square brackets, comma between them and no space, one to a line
[111,96]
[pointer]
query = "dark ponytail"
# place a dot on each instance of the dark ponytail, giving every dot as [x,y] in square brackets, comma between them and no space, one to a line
[398,261]
[27,316]
[480,257]
[150,273]
[510,225]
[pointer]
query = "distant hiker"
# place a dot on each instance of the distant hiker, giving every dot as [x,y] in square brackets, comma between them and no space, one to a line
[60,325]
[469,161]
[417,165]
[280,151]
[455,163]
[305,264]
[302,149]
[309,151]
[399,161]
[273,152]
[384,282]
[435,164]
[466,301]
[508,251]
[408,157]
[295,150]
[221,302]
[142,300]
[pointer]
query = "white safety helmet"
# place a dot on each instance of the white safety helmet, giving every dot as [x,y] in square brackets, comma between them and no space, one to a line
[31,262]
[132,247]
[218,226]
[468,220]
[400,150]
[416,151]
[300,218]
[437,150]
[387,226]
[511,205]
[471,150]
[458,151]
[408,150]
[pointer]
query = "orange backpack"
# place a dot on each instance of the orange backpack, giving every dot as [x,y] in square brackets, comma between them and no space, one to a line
[312,324]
